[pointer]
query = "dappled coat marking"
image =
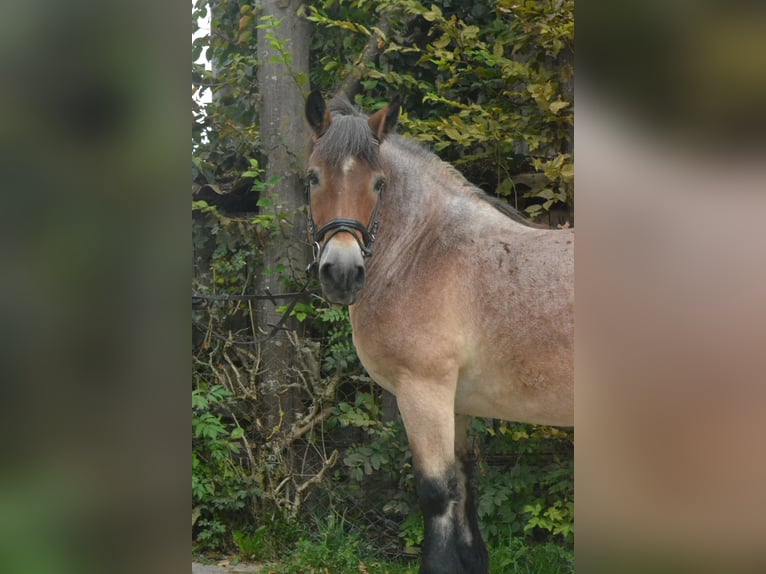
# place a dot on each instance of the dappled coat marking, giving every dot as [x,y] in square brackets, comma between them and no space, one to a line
[457,306]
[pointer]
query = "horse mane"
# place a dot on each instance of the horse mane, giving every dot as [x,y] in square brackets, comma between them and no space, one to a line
[508,210]
[349,134]
[417,148]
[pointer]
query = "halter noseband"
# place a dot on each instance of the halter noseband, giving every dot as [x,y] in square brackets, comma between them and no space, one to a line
[335,226]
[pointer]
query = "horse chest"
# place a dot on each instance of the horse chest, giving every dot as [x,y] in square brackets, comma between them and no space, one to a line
[376,365]
[402,348]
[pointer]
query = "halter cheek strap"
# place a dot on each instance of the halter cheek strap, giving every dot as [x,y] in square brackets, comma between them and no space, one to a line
[335,226]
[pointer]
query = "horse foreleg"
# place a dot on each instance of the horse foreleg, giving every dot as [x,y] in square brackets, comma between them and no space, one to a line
[452,543]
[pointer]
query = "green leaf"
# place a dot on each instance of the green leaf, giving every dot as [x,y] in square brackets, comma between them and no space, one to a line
[442,42]
[470,32]
[433,14]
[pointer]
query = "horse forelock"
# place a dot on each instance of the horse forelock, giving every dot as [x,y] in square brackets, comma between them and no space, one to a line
[348,136]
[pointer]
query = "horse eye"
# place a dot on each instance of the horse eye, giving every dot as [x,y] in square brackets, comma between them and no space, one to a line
[379,185]
[313,178]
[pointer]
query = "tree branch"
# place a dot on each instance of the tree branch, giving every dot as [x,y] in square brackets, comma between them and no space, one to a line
[352,84]
[318,477]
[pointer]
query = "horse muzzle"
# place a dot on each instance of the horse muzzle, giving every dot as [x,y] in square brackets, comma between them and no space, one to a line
[341,270]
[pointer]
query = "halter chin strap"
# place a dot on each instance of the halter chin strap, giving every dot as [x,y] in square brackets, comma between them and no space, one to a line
[335,226]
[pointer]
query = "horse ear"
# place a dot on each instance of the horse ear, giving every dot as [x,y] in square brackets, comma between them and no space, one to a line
[384,121]
[317,114]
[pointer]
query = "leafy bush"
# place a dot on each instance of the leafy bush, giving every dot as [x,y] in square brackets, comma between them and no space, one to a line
[220,490]
[339,355]
[528,491]
[490,87]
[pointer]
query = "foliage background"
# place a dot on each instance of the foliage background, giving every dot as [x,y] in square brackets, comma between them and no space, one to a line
[489,88]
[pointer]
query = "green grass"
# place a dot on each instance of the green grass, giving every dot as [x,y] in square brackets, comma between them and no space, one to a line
[519,557]
[334,556]
[333,549]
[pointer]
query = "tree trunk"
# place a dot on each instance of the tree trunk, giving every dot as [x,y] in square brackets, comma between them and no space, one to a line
[283,53]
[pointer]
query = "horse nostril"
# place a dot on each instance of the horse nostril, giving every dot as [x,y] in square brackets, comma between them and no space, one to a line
[359,278]
[326,273]
[347,278]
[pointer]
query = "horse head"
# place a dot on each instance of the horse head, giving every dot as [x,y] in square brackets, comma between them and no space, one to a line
[344,188]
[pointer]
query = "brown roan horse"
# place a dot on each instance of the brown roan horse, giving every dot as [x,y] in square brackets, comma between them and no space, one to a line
[457,306]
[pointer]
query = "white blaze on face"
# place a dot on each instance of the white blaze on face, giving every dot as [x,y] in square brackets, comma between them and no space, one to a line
[348,165]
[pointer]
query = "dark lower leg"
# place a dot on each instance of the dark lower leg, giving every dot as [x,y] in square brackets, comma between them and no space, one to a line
[479,554]
[453,543]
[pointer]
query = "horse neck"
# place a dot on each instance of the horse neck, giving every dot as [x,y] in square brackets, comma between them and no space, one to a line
[415,209]
[419,186]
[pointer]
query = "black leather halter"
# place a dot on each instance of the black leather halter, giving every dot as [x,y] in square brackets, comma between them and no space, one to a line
[335,226]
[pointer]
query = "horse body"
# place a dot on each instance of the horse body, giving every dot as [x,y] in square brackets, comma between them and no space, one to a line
[457,285]
[458,310]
